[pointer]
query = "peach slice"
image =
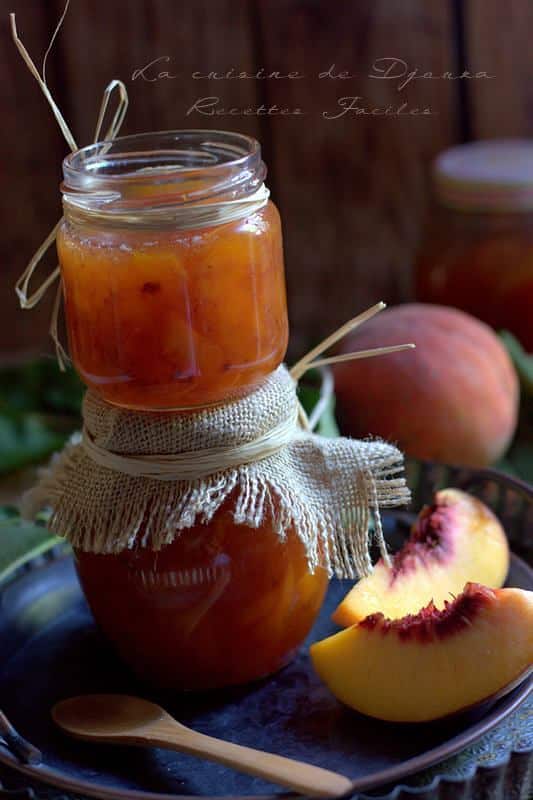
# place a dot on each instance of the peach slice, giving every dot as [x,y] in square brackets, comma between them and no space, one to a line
[456,540]
[434,664]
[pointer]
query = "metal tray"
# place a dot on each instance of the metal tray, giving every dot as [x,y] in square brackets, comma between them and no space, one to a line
[50,649]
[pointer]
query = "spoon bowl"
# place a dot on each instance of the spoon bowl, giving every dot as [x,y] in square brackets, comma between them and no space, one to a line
[106,715]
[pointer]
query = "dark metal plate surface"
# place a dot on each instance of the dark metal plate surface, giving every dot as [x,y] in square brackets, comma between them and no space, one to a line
[50,649]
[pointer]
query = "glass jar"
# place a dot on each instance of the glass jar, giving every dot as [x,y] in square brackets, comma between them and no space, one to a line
[477,252]
[222,605]
[172,268]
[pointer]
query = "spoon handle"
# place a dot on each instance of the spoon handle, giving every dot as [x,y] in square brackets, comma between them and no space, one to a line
[296,775]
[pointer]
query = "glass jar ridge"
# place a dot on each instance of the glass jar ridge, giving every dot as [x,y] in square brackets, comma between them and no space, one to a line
[152,179]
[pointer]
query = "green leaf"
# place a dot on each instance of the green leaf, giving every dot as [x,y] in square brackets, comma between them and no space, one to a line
[26,439]
[21,541]
[506,465]
[523,361]
[519,460]
[8,512]
[39,409]
[309,395]
[327,424]
[40,386]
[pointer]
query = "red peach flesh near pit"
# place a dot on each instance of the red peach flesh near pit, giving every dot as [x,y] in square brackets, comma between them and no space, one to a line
[434,663]
[456,540]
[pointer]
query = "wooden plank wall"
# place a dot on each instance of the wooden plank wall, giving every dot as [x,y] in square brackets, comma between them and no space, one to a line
[353,191]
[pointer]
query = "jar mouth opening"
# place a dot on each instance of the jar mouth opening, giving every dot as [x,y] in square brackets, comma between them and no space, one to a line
[162,168]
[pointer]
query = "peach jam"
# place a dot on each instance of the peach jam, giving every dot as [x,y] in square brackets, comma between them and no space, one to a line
[172,268]
[477,250]
[222,604]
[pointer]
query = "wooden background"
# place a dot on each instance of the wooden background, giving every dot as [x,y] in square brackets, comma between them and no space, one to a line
[353,192]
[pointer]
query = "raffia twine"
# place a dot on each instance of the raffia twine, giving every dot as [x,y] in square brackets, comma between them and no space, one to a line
[325,490]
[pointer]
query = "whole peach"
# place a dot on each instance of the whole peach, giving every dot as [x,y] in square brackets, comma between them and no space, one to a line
[453,399]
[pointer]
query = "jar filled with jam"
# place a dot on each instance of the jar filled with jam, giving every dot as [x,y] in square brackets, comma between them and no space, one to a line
[223,604]
[172,269]
[477,252]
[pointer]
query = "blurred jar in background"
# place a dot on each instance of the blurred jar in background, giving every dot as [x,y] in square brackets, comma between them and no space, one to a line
[477,251]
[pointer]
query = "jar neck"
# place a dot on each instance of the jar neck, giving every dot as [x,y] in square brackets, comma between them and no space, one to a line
[179,217]
[180,179]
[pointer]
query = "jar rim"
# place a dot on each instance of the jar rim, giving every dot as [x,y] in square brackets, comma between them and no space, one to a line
[145,172]
[212,143]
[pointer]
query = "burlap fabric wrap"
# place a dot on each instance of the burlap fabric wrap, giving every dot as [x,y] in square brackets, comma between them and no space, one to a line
[325,489]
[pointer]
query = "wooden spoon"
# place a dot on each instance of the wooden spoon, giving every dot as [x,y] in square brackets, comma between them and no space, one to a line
[121,719]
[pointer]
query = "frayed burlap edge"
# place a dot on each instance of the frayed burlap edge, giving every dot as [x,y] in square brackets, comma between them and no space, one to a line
[326,490]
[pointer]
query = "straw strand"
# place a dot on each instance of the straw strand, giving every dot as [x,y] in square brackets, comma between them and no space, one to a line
[52,40]
[310,360]
[304,363]
[376,351]
[22,285]
[65,130]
